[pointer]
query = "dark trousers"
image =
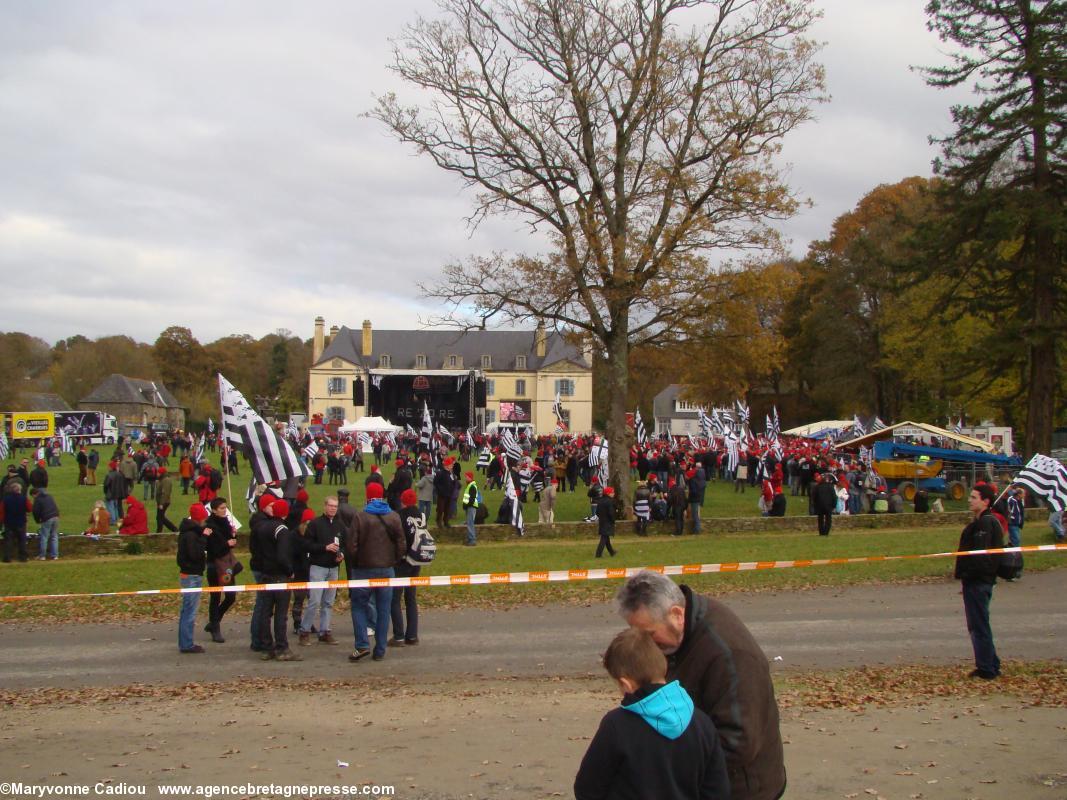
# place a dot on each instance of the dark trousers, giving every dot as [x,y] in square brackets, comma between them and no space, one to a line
[275,614]
[299,596]
[679,521]
[641,525]
[15,536]
[258,607]
[976,598]
[408,598]
[605,542]
[826,519]
[443,505]
[162,521]
[220,601]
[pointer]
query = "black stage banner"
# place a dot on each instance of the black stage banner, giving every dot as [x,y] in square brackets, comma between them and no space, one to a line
[399,398]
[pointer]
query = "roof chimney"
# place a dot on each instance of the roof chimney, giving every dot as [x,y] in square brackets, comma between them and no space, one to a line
[368,340]
[333,332]
[539,339]
[317,343]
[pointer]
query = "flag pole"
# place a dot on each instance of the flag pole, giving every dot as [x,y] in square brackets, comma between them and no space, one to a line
[225,445]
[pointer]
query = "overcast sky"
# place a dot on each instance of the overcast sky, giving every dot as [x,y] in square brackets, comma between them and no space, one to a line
[206,163]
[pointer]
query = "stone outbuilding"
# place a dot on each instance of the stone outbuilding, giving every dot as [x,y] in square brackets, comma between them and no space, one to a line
[136,404]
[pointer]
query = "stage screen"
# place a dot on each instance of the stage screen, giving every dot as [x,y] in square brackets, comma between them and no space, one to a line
[399,398]
[515,411]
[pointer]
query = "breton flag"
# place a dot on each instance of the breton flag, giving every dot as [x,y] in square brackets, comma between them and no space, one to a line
[66,443]
[1047,477]
[776,423]
[513,496]
[511,447]
[210,426]
[442,431]
[4,446]
[858,427]
[426,435]
[363,440]
[639,428]
[557,409]
[733,454]
[311,450]
[484,458]
[292,431]
[198,457]
[598,457]
[878,425]
[705,423]
[742,412]
[955,427]
[272,458]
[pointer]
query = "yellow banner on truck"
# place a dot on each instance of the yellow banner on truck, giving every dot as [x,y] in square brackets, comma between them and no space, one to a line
[33,425]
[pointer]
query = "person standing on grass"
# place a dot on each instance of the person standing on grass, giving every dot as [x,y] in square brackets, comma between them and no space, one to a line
[192,559]
[83,465]
[978,575]
[46,514]
[15,508]
[605,516]
[91,465]
[164,491]
[470,505]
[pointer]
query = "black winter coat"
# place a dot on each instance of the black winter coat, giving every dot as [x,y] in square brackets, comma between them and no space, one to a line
[192,544]
[982,534]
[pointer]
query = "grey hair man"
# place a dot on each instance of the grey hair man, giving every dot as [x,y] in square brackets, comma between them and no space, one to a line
[716,659]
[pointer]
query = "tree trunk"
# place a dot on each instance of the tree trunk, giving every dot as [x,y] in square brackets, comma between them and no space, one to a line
[1041,403]
[618,433]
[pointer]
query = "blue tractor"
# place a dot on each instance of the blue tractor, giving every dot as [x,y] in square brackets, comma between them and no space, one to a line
[910,467]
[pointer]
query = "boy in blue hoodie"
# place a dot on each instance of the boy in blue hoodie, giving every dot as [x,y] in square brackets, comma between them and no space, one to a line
[656,744]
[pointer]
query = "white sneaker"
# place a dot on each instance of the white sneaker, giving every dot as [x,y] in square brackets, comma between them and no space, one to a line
[370,631]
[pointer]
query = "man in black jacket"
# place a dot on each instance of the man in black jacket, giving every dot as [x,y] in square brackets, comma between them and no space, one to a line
[716,659]
[46,514]
[193,534]
[605,516]
[273,559]
[824,501]
[978,574]
[322,540]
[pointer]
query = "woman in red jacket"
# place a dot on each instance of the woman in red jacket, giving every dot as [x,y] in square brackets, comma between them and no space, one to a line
[136,520]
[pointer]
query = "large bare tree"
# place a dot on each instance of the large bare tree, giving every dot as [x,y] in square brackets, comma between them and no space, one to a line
[636,137]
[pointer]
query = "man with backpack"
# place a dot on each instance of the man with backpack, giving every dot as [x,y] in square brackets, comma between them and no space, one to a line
[208,483]
[149,474]
[421,549]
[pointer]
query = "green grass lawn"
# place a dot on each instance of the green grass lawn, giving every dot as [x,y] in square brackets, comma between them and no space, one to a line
[157,571]
[75,501]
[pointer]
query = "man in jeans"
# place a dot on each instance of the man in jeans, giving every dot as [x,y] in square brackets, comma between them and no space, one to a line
[374,544]
[470,503]
[46,514]
[323,540]
[192,560]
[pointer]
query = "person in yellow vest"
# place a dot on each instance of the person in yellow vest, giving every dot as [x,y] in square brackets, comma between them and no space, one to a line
[470,503]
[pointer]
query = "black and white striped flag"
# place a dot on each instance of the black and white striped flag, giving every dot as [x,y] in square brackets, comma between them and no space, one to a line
[639,428]
[311,450]
[511,447]
[598,457]
[198,457]
[705,423]
[1047,477]
[955,427]
[557,409]
[272,458]
[426,434]
[858,428]
[878,425]
[742,412]
[5,448]
[516,506]
[484,458]
[210,426]
[442,431]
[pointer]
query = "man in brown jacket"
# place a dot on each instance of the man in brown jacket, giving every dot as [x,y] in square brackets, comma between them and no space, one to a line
[375,543]
[715,658]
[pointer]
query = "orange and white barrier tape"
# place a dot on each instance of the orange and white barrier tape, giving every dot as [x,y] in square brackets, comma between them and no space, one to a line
[537,576]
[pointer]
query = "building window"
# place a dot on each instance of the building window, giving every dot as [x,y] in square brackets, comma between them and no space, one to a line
[520,362]
[487,362]
[684,405]
[520,388]
[335,412]
[565,387]
[336,385]
[490,417]
[420,361]
[455,362]
[385,362]
[490,387]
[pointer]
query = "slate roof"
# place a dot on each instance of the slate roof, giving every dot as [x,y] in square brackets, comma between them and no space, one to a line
[402,347]
[120,389]
[43,401]
[663,403]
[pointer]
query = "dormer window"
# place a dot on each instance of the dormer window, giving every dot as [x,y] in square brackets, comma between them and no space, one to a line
[520,362]
[420,361]
[454,362]
[385,361]
[487,362]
